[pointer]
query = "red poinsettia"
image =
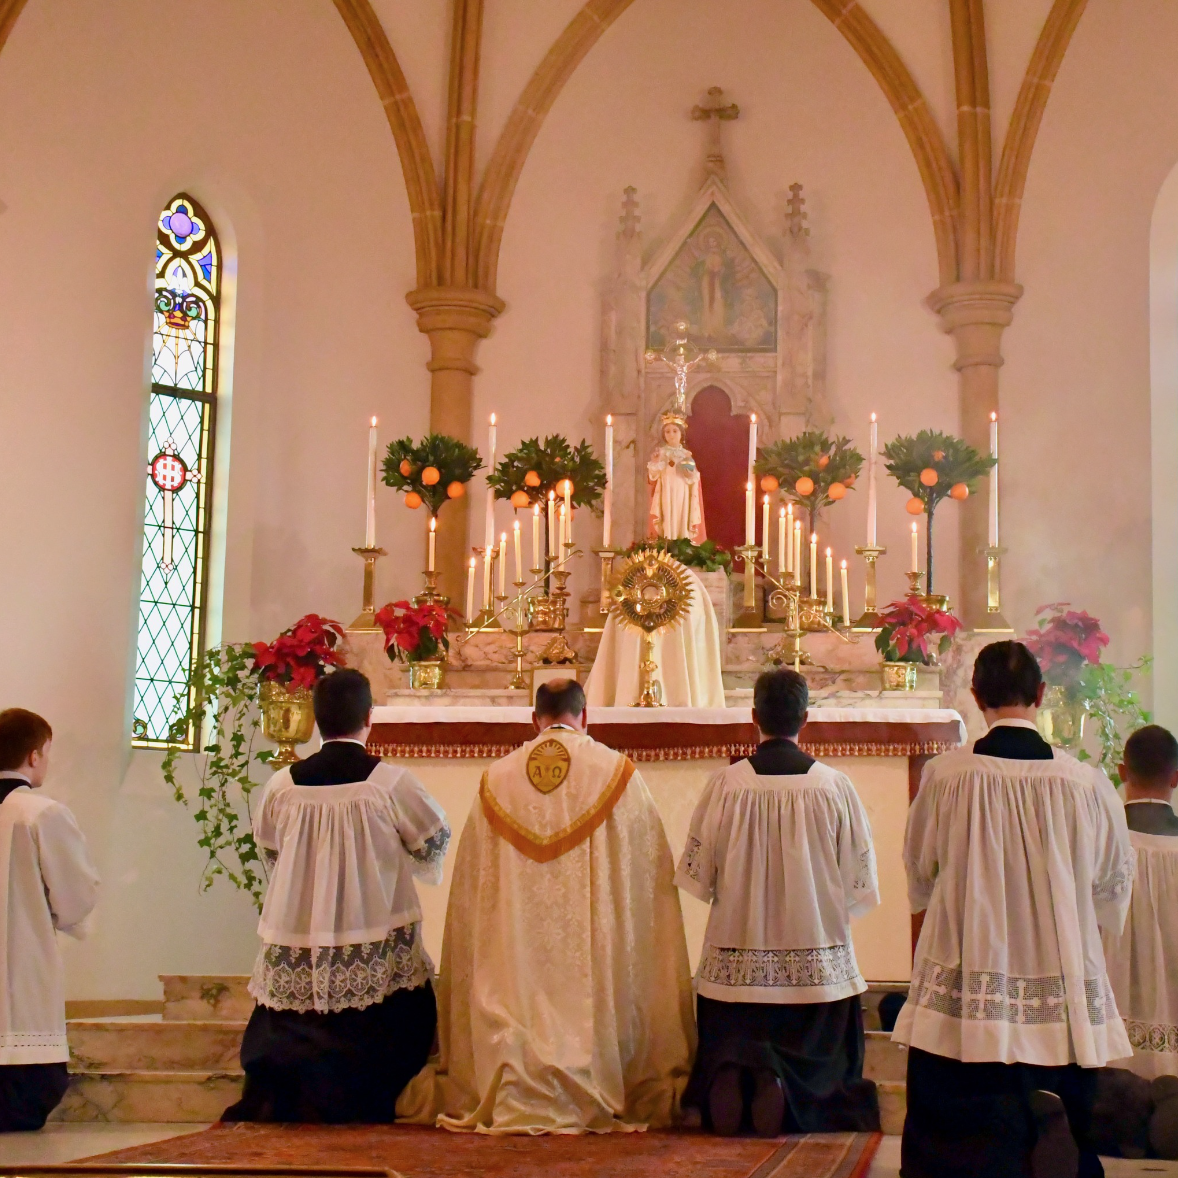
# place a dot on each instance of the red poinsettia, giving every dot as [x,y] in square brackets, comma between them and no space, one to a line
[910,627]
[301,655]
[1066,641]
[413,633]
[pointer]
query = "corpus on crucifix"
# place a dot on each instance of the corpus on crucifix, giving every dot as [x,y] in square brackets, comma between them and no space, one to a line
[714,111]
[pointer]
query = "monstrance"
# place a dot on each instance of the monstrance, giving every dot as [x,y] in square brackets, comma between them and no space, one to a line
[651,592]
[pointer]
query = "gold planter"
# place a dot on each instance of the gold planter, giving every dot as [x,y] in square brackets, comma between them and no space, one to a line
[427,675]
[899,676]
[288,719]
[1061,718]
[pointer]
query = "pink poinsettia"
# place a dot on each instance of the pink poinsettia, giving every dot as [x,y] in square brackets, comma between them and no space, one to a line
[300,655]
[913,632]
[1066,641]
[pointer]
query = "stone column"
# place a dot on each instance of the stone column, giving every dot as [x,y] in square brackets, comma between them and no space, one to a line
[975,314]
[455,319]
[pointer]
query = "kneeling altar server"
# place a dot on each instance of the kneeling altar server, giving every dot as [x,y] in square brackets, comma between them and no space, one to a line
[780,846]
[346,1012]
[564,1004]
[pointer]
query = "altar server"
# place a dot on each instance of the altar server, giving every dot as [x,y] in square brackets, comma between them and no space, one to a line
[1018,854]
[47,885]
[346,1012]
[565,993]
[780,846]
[1143,958]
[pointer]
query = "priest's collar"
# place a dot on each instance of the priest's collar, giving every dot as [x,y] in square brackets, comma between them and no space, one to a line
[564,727]
[9,774]
[1143,801]
[1012,722]
[343,740]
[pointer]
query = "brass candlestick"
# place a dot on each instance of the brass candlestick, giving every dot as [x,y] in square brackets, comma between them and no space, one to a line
[749,618]
[788,649]
[430,595]
[813,615]
[606,556]
[915,579]
[870,618]
[996,623]
[518,631]
[366,620]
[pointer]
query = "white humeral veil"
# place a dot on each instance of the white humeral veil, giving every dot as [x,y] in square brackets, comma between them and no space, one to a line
[688,657]
[564,1003]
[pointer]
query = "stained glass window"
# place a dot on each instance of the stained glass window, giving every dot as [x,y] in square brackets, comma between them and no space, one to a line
[179,478]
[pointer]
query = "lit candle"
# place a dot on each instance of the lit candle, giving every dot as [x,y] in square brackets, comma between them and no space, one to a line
[503,565]
[433,538]
[470,589]
[781,544]
[370,521]
[797,551]
[536,536]
[564,530]
[765,528]
[519,554]
[552,524]
[915,550]
[873,446]
[789,551]
[846,595]
[488,560]
[568,497]
[489,531]
[607,519]
[994,481]
[813,564]
[829,581]
[752,449]
[750,517]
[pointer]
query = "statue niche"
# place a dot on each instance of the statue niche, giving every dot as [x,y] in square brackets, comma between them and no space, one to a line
[719,440]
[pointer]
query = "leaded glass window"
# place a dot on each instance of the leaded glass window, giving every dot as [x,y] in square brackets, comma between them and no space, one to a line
[179,481]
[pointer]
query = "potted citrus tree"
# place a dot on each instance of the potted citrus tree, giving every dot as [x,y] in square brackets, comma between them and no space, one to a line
[432,471]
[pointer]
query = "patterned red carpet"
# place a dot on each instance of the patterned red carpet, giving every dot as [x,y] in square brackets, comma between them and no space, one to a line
[434,1153]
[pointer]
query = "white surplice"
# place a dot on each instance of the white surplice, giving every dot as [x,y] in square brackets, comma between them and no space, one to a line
[1143,958]
[688,658]
[785,862]
[341,923]
[47,885]
[1019,864]
[564,1002]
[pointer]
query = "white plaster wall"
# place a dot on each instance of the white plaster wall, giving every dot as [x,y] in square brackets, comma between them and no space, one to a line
[266,113]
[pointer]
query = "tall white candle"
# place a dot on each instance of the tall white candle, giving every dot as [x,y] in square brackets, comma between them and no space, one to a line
[567,492]
[370,519]
[782,546]
[470,589]
[846,595]
[915,550]
[829,581]
[789,548]
[536,536]
[433,538]
[503,565]
[519,554]
[607,519]
[765,528]
[994,481]
[797,551]
[489,530]
[872,450]
[813,564]
[564,531]
[488,561]
[750,516]
[552,524]
[752,449]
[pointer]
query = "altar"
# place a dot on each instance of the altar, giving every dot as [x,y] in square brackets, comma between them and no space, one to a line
[881,748]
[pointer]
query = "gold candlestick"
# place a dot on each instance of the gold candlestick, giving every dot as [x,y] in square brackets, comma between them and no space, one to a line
[870,618]
[995,622]
[430,595]
[606,555]
[915,585]
[789,650]
[749,618]
[366,620]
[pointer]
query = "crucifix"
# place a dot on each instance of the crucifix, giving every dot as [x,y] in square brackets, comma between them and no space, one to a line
[715,111]
[169,472]
[681,356]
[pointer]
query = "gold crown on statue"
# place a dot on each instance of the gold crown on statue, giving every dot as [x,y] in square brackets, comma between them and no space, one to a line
[674,417]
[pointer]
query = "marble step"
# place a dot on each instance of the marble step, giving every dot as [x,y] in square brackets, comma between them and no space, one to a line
[884,1060]
[893,1104]
[206,997]
[102,1045]
[149,1097]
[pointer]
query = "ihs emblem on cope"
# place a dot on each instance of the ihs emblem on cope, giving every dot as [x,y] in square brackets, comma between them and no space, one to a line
[548,765]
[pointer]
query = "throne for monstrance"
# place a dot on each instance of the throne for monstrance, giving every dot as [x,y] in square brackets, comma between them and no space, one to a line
[651,592]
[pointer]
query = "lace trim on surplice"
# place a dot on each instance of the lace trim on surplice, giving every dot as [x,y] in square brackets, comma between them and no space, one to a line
[1160,1038]
[832,965]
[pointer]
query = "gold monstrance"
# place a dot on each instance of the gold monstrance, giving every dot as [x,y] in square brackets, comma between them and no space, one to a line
[651,592]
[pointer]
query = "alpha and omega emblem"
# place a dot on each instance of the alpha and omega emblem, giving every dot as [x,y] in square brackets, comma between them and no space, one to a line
[548,765]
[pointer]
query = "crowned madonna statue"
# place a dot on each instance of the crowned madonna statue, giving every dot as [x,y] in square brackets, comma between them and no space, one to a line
[676,502]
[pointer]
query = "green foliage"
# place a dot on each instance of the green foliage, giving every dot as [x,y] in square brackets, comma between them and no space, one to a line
[1114,707]
[954,461]
[553,461]
[455,462]
[802,457]
[706,556]
[225,692]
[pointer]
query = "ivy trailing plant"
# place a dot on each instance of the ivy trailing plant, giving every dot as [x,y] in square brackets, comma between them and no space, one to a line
[224,713]
[430,471]
[931,466]
[708,557]
[1115,708]
[525,475]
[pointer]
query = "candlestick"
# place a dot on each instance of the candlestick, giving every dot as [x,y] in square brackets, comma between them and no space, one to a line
[503,564]
[872,448]
[915,566]
[994,481]
[552,525]
[829,582]
[370,520]
[752,452]
[750,526]
[607,506]
[789,545]
[765,528]
[813,564]
[489,530]
[535,535]
[366,619]
[846,594]
[470,590]
[781,545]
[750,618]
[519,555]
[870,619]
[433,539]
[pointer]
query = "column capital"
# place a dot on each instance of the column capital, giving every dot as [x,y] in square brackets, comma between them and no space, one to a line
[975,314]
[463,310]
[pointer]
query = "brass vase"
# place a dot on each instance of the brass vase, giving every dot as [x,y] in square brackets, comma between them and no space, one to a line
[899,676]
[427,675]
[1061,718]
[288,719]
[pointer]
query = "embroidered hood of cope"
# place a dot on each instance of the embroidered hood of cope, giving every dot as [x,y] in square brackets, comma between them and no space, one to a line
[550,795]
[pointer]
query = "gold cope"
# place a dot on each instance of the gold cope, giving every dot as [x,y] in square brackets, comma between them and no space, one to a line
[548,765]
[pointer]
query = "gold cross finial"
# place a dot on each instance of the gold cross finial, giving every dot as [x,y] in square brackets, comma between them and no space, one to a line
[795,212]
[714,111]
[629,219]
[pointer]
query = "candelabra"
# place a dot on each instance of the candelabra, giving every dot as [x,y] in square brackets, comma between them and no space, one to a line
[749,618]
[870,618]
[517,632]
[366,620]
[788,649]
[995,621]
[550,612]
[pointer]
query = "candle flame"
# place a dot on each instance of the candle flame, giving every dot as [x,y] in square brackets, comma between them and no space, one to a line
[753,418]
[766,500]
[492,418]
[873,417]
[535,508]
[993,416]
[748,486]
[552,496]
[830,552]
[503,537]
[914,529]
[515,525]
[813,537]
[433,524]
[781,512]
[374,423]
[609,419]
[843,565]
[473,561]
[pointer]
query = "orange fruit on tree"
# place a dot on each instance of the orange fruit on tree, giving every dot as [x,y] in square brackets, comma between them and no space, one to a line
[412,499]
[430,475]
[769,483]
[929,477]
[804,486]
[915,506]
[531,479]
[849,481]
[455,490]
[565,485]
[824,462]
[938,455]
[959,491]
[406,467]
[519,499]
[836,491]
